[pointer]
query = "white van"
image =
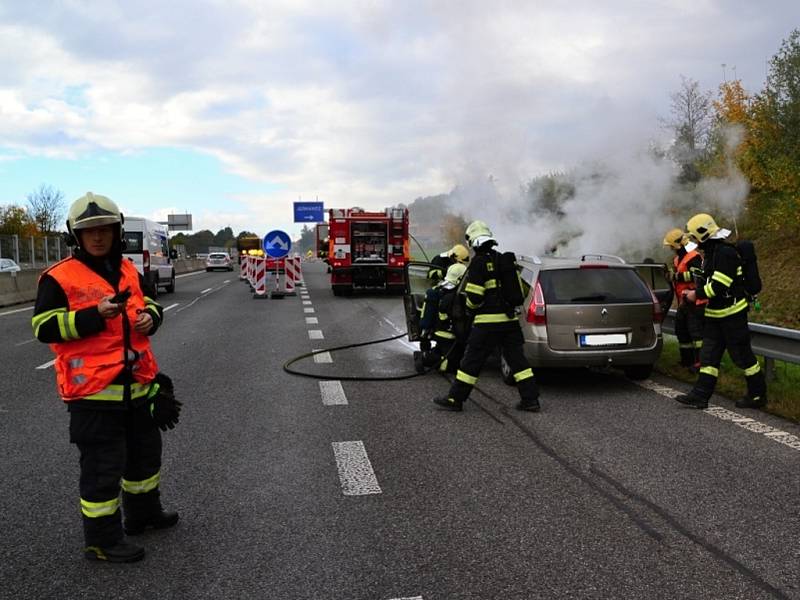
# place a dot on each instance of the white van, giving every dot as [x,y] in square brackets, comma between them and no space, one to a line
[146,244]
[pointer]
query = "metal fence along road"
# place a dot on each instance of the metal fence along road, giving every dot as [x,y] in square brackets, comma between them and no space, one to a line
[773,343]
[33,251]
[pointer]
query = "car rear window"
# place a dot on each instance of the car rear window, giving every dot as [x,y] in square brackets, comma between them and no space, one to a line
[133,241]
[217,255]
[593,286]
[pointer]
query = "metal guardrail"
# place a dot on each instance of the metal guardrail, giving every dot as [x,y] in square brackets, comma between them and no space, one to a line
[773,343]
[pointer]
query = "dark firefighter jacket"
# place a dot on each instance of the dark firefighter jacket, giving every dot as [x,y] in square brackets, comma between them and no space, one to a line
[722,281]
[484,298]
[437,312]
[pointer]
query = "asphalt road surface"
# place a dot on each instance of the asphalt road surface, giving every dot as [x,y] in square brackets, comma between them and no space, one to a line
[292,487]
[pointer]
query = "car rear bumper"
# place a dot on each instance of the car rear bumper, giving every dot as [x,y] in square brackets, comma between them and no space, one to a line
[539,354]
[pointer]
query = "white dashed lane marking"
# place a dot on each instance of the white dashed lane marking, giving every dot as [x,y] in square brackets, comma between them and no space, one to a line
[306,302]
[332,393]
[171,306]
[772,433]
[322,357]
[47,364]
[355,471]
[315,334]
[205,291]
[312,321]
[308,310]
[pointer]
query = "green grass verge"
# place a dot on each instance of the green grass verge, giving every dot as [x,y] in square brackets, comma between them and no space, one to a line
[783,392]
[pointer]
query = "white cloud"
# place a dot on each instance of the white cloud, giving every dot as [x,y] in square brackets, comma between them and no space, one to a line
[366,103]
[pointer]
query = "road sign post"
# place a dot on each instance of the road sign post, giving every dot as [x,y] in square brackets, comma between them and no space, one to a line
[277,245]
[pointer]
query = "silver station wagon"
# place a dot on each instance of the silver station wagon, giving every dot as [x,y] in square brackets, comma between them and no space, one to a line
[593,311]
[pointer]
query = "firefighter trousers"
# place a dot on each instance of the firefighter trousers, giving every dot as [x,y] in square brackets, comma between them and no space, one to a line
[482,341]
[119,449]
[731,334]
[446,355]
[689,331]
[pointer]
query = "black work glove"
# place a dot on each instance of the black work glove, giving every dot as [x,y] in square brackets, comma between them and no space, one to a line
[164,407]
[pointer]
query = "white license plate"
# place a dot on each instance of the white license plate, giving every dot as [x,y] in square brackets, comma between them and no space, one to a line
[604,339]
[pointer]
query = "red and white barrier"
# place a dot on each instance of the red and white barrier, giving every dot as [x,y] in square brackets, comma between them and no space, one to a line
[243,268]
[290,276]
[260,278]
[298,280]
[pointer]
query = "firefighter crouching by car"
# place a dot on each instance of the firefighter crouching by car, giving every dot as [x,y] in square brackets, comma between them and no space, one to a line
[96,313]
[494,324]
[441,262]
[722,284]
[687,264]
[437,324]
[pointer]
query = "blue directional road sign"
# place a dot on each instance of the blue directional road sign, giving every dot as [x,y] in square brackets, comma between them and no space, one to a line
[309,212]
[277,244]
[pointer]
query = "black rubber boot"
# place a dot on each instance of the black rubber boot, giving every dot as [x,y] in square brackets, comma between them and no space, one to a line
[748,402]
[691,400]
[419,362]
[449,403]
[121,552]
[529,405]
[161,520]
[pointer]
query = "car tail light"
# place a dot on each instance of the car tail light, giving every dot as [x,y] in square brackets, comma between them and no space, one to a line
[658,314]
[594,266]
[537,311]
[146,261]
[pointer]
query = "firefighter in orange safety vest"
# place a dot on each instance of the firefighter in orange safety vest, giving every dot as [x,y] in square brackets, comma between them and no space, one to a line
[688,264]
[96,312]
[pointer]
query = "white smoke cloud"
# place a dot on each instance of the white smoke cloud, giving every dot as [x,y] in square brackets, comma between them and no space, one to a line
[622,205]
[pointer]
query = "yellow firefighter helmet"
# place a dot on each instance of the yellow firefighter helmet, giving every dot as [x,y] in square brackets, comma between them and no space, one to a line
[701,227]
[460,253]
[674,239]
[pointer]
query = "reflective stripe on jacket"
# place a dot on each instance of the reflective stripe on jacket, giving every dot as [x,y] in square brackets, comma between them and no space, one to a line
[86,367]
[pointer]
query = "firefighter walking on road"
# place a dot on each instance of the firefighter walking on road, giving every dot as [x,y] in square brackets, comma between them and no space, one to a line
[689,316]
[726,327]
[495,325]
[96,312]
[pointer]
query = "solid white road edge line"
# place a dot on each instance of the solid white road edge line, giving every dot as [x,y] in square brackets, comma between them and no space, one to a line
[771,433]
[405,343]
[355,471]
[332,393]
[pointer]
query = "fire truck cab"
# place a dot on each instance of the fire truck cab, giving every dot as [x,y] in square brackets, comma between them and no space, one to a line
[368,250]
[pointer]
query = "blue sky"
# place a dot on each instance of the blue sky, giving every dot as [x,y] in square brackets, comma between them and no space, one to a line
[152,183]
[233,110]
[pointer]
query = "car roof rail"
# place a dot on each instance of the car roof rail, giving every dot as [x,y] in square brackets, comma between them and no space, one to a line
[588,257]
[534,259]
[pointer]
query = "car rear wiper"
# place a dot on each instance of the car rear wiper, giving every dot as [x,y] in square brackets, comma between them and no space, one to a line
[595,298]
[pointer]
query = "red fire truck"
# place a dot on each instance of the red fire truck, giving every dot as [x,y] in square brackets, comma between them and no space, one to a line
[368,250]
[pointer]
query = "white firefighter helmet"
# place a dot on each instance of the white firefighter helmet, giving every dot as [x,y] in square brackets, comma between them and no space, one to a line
[454,274]
[92,210]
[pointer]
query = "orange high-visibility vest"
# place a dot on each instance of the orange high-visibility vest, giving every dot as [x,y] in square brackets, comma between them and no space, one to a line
[682,266]
[87,366]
